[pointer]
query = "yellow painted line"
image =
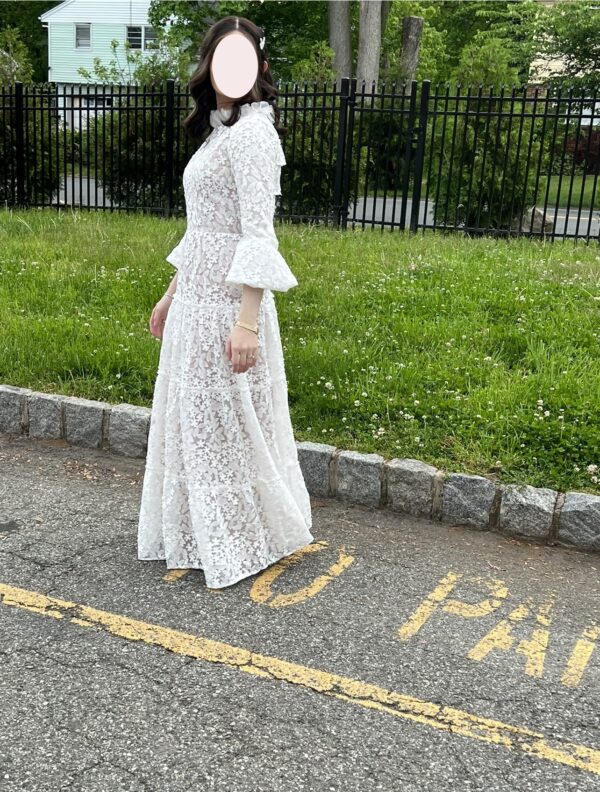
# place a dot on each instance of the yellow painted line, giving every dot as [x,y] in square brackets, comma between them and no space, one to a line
[401,705]
[174,574]
[438,599]
[580,656]
[262,588]
[533,649]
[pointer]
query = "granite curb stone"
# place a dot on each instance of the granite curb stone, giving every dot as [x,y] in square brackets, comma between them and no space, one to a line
[409,486]
[580,520]
[358,477]
[467,500]
[129,426]
[13,409]
[315,460]
[527,509]
[46,416]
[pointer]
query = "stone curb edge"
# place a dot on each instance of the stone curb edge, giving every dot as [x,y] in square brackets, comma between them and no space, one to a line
[408,486]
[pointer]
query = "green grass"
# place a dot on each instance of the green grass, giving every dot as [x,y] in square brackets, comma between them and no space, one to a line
[590,196]
[578,195]
[478,356]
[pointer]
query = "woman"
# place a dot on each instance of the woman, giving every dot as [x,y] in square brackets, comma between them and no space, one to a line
[223,490]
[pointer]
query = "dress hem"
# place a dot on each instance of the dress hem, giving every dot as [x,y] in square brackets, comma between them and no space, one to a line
[246,574]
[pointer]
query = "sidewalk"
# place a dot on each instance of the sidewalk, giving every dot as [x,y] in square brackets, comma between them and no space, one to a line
[394,653]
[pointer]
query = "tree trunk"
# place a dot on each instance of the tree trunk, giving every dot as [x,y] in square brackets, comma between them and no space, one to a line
[385,11]
[339,37]
[412,30]
[369,44]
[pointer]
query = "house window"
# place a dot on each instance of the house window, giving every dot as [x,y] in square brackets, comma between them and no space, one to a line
[83,34]
[96,102]
[140,37]
[149,37]
[134,37]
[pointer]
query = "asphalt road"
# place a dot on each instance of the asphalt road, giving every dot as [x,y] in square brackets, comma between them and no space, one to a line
[373,211]
[394,654]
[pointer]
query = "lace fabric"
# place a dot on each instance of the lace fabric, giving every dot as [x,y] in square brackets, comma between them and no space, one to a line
[223,490]
[255,157]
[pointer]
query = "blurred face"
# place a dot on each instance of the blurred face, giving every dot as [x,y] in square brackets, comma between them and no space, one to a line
[234,66]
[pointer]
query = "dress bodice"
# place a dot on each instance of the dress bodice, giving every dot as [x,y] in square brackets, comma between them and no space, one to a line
[230,184]
[209,179]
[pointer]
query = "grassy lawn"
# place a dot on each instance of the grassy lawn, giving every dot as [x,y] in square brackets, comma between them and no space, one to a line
[478,356]
[582,191]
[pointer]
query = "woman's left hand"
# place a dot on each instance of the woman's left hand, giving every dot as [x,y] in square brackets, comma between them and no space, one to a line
[242,349]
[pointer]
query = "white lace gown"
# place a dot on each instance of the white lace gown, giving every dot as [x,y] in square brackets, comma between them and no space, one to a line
[223,490]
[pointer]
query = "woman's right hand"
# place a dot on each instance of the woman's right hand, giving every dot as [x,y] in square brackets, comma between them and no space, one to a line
[158,317]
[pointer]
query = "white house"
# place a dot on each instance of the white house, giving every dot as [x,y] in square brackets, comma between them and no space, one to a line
[80,31]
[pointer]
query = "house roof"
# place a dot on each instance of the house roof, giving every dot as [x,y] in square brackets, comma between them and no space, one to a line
[52,11]
[131,12]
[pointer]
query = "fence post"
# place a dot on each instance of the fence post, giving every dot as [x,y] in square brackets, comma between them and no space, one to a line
[419,157]
[348,153]
[338,185]
[169,144]
[19,144]
[408,150]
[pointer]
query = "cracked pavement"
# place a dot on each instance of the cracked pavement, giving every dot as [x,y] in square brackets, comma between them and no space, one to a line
[85,708]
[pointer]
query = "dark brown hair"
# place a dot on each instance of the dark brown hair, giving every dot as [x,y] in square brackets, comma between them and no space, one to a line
[197,123]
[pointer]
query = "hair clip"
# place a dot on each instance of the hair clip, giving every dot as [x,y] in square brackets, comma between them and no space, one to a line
[261,43]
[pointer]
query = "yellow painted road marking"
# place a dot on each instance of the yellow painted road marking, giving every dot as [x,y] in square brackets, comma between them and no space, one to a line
[175,574]
[534,649]
[261,590]
[401,705]
[580,656]
[501,637]
[439,595]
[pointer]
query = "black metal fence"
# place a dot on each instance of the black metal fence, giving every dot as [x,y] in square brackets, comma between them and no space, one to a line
[507,162]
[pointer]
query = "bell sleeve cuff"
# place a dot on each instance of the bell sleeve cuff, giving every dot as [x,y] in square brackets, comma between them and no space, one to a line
[176,256]
[257,262]
[256,158]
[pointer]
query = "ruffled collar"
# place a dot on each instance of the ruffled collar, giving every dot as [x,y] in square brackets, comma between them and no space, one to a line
[217,116]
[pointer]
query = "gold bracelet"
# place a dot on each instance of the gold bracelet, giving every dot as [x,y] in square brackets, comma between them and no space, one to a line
[254,328]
